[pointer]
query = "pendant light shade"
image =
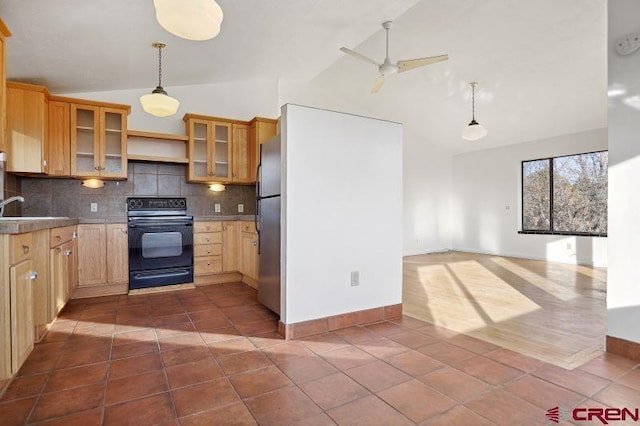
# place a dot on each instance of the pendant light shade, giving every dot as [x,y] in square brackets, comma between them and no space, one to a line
[191,19]
[158,102]
[474,130]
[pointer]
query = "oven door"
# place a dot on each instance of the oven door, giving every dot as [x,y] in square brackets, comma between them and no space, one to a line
[160,243]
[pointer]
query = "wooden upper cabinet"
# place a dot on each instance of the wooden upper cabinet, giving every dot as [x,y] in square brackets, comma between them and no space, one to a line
[98,141]
[209,150]
[260,130]
[4,32]
[244,155]
[59,139]
[26,128]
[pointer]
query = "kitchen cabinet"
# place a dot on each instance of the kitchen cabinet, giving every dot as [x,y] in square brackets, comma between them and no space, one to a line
[26,128]
[62,263]
[98,141]
[39,255]
[209,150]
[103,253]
[249,253]
[4,33]
[230,246]
[22,328]
[207,248]
[59,133]
[244,156]
[17,331]
[260,130]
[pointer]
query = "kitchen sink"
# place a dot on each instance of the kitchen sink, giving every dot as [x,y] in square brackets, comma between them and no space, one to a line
[20,219]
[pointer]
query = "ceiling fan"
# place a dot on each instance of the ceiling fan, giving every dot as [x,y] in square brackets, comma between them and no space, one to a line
[387,67]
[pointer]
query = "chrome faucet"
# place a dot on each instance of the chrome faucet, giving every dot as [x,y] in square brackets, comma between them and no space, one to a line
[8,201]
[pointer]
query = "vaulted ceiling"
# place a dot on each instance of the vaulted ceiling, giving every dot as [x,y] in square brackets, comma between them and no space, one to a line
[541,66]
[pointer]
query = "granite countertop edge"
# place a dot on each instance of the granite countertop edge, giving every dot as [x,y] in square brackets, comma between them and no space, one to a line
[18,226]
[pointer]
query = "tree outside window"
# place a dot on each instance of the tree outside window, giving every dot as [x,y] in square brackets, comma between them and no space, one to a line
[566,194]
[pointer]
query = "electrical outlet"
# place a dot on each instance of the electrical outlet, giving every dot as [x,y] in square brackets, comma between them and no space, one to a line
[569,246]
[507,207]
[355,278]
[94,207]
[240,208]
[216,207]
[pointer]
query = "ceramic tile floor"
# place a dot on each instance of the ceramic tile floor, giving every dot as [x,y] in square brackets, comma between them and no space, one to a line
[211,355]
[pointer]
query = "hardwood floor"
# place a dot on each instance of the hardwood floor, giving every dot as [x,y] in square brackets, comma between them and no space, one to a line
[550,311]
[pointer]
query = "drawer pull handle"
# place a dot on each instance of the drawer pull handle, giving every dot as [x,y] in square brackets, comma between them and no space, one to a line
[58,237]
[25,249]
[208,251]
[33,275]
[208,263]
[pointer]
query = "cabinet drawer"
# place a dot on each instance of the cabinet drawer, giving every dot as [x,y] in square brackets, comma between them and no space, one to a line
[61,235]
[208,238]
[207,227]
[207,250]
[248,227]
[19,248]
[207,265]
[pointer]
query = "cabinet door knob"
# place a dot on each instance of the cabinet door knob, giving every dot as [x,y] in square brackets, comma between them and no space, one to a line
[254,242]
[208,263]
[68,253]
[25,249]
[58,237]
[33,275]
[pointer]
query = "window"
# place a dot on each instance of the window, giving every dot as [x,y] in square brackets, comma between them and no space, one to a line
[565,195]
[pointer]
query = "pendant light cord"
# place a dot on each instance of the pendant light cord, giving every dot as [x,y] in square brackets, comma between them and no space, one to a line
[159,66]
[473,102]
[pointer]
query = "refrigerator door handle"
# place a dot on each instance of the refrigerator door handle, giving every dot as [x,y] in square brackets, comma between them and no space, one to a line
[257,214]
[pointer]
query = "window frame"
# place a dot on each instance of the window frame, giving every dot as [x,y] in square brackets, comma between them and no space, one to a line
[551,231]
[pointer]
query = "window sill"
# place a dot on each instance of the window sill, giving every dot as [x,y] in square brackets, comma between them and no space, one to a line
[568,234]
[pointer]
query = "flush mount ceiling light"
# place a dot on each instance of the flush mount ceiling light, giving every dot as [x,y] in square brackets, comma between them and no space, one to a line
[191,19]
[217,187]
[93,183]
[158,103]
[474,130]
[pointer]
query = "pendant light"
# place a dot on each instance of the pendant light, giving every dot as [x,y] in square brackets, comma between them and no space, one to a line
[474,130]
[158,103]
[191,19]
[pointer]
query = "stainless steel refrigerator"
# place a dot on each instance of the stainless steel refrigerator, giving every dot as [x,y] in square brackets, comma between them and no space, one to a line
[268,224]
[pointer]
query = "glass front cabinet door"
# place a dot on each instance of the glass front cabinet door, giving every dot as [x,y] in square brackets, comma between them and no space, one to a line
[209,150]
[98,141]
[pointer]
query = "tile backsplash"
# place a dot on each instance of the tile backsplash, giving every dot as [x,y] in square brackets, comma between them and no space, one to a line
[67,197]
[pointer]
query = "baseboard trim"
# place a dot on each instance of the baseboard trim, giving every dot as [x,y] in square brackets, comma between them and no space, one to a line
[100,290]
[302,329]
[623,347]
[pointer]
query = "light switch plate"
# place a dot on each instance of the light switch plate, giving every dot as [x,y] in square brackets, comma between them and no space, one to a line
[216,208]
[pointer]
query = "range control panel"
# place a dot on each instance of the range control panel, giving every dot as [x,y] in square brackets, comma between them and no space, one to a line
[155,204]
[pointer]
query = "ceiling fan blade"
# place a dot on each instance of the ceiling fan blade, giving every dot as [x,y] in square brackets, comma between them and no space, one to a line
[378,84]
[359,56]
[415,63]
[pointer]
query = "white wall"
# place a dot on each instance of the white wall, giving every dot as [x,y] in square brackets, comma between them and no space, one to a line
[486,182]
[342,193]
[623,286]
[240,100]
[426,168]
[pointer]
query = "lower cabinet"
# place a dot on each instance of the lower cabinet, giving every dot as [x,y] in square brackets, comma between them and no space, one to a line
[22,327]
[62,267]
[103,265]
[207,248]
[225,251]
[249,254]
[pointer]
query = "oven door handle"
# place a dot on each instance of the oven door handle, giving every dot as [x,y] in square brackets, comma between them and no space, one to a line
[154,224]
